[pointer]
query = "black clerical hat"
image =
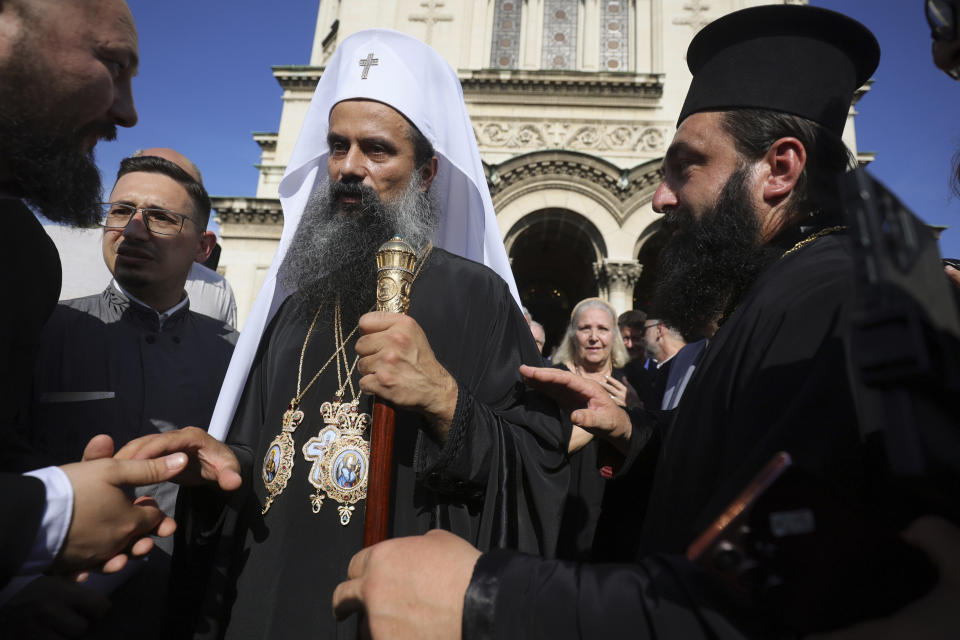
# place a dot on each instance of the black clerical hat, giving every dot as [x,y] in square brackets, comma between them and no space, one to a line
[801,60]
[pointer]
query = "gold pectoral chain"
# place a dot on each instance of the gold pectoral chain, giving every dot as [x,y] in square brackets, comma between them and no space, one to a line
[339,454]
[819,234]
[800,245]
[278,461]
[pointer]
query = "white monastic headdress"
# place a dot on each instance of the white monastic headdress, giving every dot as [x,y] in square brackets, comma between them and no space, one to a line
[404,73]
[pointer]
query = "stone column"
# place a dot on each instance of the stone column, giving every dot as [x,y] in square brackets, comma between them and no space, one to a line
[615,280]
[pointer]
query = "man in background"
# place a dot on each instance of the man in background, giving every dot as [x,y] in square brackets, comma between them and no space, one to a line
[135,359]
[637,374]
[661,343]
[539,335]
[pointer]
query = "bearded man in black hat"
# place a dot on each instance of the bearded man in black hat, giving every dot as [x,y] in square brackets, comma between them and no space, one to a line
[758,249]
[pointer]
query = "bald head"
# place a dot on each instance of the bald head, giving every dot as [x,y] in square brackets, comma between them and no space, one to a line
[175,157]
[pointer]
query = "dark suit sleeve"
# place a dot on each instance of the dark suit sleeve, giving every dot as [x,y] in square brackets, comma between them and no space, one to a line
[23,512]
[513,595]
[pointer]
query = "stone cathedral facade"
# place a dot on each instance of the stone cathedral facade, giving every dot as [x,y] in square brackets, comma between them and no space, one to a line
[573,104]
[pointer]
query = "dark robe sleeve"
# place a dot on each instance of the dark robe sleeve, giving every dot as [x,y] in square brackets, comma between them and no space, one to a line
[507,443]
[513,595]
[22,513]
[211,528]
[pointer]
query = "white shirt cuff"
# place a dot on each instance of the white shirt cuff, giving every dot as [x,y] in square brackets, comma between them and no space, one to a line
[57,514]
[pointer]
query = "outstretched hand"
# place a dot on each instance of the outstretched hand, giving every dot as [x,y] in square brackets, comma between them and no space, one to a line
[590,405]
[106,524]
[409,587]
[209,460]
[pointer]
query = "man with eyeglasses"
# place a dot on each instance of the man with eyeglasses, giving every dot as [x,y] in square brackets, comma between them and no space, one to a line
[661,343]
[134,359]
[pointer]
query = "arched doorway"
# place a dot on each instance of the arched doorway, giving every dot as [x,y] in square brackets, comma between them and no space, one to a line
[553,253]
[648,257]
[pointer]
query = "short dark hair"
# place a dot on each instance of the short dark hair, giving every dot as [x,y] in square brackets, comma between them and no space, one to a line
[422,149]
[154,164]
[634,318]
[755,130]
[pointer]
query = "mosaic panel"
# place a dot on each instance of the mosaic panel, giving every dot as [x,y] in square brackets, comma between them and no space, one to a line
[559,34]
[505,48]
[614,36]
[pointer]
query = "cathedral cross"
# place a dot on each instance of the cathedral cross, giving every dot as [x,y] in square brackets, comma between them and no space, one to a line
[431,17]
[696,20]
[366,63]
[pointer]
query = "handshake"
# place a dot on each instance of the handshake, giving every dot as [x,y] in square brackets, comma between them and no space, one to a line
[107,525]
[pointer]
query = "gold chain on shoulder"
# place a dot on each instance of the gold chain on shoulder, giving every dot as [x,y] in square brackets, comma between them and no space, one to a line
[303,352]
[819,234]
[343,343]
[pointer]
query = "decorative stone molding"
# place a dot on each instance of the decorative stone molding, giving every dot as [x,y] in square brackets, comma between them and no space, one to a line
[621,185]
[865,157]
[259,211]
[527,135]
[617,274]
[572,87]
[506,86]
[297,77]
[862,91]
[266,139]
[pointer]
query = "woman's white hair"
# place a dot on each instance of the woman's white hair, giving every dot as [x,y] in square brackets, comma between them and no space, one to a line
[566,352]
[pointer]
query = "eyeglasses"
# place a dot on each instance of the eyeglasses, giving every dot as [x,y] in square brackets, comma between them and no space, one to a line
[942,18]
[161,222]
[651,325]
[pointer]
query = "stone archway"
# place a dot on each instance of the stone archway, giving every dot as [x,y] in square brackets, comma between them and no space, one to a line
[553,253]
[648,254]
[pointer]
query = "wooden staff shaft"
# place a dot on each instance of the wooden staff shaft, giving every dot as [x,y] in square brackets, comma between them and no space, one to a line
[395,262]
[376,525]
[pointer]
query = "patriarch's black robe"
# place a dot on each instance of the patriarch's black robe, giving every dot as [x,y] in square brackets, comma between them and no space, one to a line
[498,480]
[774,378]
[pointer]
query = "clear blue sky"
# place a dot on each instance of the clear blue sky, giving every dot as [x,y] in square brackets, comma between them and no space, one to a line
[205,84]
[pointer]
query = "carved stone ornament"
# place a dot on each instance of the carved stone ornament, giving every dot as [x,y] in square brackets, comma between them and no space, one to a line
[620,184]
[696,17]
[624,273]
[531,135]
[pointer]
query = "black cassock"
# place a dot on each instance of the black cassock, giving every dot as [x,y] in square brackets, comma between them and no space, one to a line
[773,378]
[498,481]
[30,260]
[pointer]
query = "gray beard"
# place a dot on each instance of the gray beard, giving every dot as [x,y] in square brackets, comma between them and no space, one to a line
[333,253]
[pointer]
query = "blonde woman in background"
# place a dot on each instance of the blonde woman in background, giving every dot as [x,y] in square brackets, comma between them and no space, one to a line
[593,349]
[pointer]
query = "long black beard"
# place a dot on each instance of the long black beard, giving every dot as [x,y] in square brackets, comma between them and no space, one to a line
[333,253]
[45,159]
[707,265]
